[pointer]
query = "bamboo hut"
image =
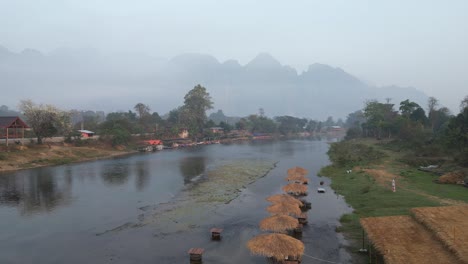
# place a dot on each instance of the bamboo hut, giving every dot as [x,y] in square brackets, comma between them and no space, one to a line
[279,247]
[297,170]
[449,224]
[284,198]
[279,223]
[284,208]
[401,239]
[297,179]
[295,189]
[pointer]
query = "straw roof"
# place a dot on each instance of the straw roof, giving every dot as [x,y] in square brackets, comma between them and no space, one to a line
[450,226]
[279,223]
[284,208]
[297,178]
[297,170]
[284,198]
[400,239]
[295,188]
[278,246]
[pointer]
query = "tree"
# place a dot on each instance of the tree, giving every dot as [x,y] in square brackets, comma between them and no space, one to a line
[464,104]
[407,107]
[355,119]
[432,104]
[456,135]
[142,110]
[290,125]
[196,102]
[380,117]
[45,120]
[261,124]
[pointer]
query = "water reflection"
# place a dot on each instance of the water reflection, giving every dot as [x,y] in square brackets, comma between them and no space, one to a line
[115,174]
[142,175]
[36,191]
[191,167]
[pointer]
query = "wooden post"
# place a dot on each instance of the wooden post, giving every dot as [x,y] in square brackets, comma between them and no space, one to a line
[22,137]
[363,237]
[7,136]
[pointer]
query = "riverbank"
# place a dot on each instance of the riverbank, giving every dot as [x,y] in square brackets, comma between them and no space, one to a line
[368,185]
[33,156]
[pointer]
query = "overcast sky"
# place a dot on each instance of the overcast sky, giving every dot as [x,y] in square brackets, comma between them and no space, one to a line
[408,43]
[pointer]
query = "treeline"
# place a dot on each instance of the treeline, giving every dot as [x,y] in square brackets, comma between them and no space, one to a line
[117,127]
[436,132]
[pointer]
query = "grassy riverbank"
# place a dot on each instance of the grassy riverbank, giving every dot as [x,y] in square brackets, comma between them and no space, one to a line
[368,187]
[33,156]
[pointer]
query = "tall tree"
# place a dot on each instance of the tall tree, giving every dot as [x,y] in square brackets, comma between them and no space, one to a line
[196,102]
[464,104]
[380,117]
[432,104]
[45,120]
[142,110]
[407,107]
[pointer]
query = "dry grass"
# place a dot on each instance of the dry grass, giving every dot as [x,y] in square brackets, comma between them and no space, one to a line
[449,224]
[279,223]
[400,239]
[456,177]
[382,177]
[54,154]
[298,170]
[284,208]
[297,178]
[295,188]
[278,246]
[284,198]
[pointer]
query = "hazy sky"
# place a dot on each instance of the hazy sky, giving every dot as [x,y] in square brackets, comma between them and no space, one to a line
[408,43]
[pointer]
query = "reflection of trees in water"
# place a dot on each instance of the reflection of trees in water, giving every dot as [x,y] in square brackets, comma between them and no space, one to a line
[38,191]
[142,175]
[115,174]
[190,167]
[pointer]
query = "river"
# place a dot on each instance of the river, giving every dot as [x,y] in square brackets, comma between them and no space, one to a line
[93,212]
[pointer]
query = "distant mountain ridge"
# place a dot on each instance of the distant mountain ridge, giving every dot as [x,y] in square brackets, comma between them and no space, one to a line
[86,79]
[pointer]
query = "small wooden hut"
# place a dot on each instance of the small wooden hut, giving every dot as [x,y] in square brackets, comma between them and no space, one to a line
[284,198]
[295,189]
[298,170]
[279,223]
[284,208]
[278,247]
[9,126]
[296,178]
[196,255]
[216,233]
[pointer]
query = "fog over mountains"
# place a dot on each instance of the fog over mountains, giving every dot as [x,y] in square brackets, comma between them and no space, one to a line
[85,79]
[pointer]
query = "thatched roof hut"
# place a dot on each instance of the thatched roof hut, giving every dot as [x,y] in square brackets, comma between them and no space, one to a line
[295,188]
[400,239]
[449,224]
[284,208]
[284,198]
[297,178]
[297,170]
[278,246]
[279,223]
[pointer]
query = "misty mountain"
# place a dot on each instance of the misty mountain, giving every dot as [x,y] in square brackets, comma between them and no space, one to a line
[87,79]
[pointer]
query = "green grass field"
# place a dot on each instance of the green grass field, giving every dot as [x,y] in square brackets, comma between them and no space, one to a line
[369,198]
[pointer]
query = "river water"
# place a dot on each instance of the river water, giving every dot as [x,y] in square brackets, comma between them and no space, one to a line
[63,214]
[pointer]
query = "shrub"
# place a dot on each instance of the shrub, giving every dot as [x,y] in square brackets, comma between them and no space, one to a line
[349,153]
